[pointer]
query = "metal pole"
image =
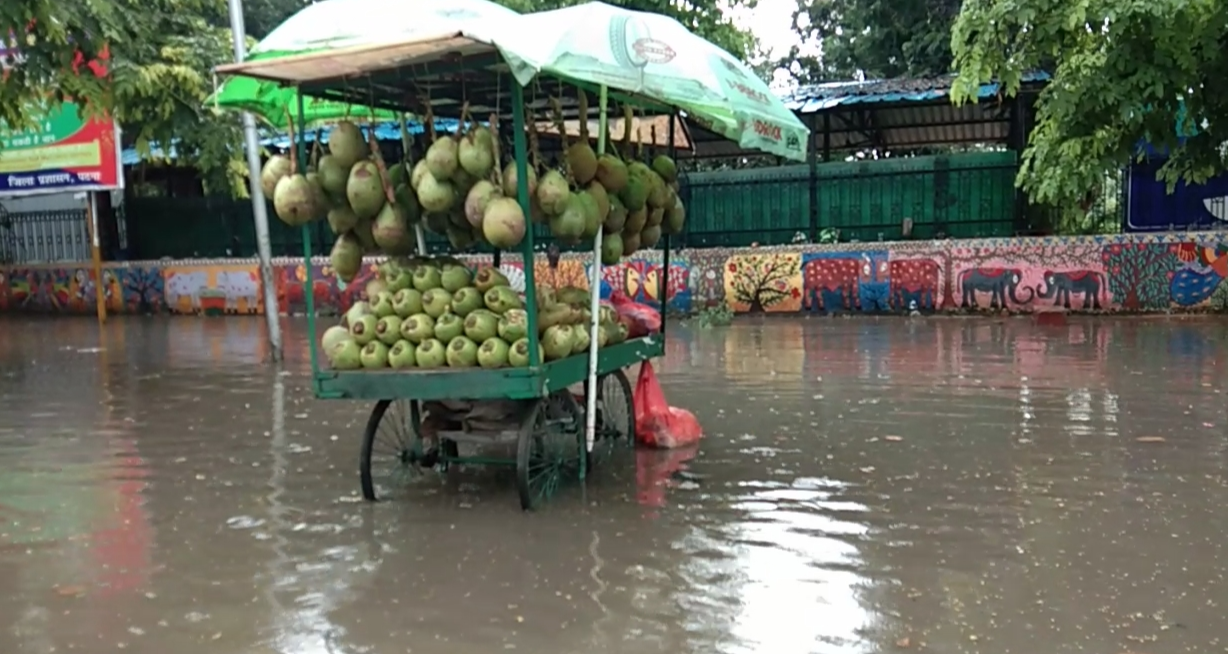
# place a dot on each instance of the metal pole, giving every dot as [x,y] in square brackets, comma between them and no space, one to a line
[259,211]
[100,290]
[521,148]
[405,150]
[594,291]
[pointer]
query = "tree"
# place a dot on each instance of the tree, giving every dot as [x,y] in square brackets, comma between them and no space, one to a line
[263,16]
[160,93]
[161,56]
[159,59]
[1123,71]
[874,38]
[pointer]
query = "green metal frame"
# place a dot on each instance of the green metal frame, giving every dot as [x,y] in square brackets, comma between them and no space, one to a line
[535,381]
[480,384]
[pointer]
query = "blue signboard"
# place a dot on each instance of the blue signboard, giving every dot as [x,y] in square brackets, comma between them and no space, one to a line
[1189,207]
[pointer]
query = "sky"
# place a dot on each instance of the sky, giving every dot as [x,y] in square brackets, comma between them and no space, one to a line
[772,22]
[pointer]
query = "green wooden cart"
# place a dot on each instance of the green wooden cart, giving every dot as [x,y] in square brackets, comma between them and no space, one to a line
[546,433]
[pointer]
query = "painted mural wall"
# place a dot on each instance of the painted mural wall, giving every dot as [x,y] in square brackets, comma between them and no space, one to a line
[1132,273]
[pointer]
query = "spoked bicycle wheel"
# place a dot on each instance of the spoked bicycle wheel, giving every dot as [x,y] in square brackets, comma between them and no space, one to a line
[615,417]
[393,452]
[548,450]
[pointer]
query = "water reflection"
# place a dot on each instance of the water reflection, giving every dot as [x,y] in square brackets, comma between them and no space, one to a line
[866,486]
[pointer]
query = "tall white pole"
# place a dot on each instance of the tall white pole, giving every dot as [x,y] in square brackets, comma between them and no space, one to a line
[594,288]
[259,210]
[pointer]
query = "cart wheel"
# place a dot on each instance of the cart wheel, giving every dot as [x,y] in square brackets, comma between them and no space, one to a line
[451,452]
[615,416]
[392,449]
[551,439]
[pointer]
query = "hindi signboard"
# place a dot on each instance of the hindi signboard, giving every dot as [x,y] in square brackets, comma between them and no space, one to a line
[64,152]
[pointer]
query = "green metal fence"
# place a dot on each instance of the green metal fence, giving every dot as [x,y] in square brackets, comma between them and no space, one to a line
[961,196]
[224,227]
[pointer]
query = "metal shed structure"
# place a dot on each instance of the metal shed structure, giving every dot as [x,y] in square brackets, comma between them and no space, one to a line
[885,186]
[898,115]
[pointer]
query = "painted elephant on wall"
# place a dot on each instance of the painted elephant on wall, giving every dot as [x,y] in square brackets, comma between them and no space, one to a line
[1000,283]
[830,284]
[873,286]
[1059,286]
[914,281]
[842,281]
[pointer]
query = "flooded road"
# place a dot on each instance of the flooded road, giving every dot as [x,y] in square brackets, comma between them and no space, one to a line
[865,486]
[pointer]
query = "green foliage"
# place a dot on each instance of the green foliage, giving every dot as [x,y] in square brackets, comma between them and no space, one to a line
[717,316]
[1123,70]
[262,16]
[1219,298]
[160,97]
[161,57]
[877,38]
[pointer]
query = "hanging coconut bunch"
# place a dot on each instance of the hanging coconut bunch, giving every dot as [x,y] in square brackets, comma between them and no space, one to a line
[277,167]
[372,209]
[503,221]
[648,198]
[297,196]
[570,209]
[392,224]
[439,182]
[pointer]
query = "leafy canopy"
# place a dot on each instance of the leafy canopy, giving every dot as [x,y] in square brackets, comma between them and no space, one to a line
[1123,71]
[162,53]
[878,38]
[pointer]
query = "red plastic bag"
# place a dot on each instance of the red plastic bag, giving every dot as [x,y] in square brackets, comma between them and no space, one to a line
[657,424]
[641,319]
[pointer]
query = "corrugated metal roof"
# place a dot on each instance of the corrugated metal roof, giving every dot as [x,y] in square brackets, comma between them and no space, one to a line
[893,127]
[818,97]
[906,126]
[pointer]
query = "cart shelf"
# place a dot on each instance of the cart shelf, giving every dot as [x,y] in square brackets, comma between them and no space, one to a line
[480,383]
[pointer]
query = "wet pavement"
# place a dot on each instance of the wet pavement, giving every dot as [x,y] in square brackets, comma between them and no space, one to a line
[927,485]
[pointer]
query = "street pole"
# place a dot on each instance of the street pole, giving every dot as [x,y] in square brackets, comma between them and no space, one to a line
[100,284]
[259,210]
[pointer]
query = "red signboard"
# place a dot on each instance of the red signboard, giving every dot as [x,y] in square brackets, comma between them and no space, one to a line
[63,151]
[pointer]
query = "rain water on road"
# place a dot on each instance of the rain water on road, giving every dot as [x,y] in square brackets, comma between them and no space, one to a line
[926,485]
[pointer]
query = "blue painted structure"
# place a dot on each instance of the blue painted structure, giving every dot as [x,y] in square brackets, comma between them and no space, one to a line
[383,132]
[1151,208]
[818,97]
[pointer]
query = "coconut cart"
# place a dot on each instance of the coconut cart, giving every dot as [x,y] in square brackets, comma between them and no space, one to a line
[470,64]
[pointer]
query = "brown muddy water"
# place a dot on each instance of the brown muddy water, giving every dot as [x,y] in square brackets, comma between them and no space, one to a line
[865,486]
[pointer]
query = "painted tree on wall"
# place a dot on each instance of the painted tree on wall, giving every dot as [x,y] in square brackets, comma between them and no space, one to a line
[1139,273]
[143,289]
[759,281]
[948,279]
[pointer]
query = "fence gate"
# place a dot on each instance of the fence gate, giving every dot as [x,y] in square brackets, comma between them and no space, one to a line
[43,236]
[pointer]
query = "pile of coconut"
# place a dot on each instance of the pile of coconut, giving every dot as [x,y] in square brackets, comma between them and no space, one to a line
[435,312]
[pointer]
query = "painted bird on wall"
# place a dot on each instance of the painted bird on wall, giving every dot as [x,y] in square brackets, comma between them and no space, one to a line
[642,281]
[1205,268]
